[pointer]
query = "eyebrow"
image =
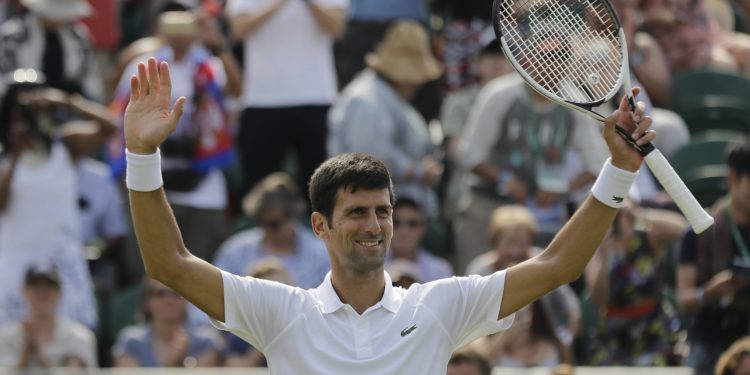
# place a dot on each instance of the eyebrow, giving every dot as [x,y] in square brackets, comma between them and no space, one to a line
[386,207]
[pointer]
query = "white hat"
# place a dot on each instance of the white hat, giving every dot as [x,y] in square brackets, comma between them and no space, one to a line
[59,10]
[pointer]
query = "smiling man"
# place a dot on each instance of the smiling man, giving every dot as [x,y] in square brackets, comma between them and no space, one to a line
[355,321]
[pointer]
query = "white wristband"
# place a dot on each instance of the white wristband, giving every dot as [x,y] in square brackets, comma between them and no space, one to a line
[612,185]
[143,171]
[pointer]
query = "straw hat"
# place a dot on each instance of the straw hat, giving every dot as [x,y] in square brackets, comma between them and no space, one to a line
[404,55]
[59,10]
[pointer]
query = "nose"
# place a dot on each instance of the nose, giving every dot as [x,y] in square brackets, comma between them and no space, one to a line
[372,223]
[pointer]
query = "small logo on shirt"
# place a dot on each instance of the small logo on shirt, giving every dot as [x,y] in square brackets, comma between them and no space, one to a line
[617,199]
[409,330]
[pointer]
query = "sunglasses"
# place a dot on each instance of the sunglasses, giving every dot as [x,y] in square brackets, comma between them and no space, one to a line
[412,223]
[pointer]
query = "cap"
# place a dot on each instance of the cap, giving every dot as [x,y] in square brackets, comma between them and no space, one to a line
[38,273]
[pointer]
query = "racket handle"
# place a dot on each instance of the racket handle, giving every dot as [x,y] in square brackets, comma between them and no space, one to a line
[698,218]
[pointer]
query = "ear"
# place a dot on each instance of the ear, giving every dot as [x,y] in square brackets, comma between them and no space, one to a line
[320,225]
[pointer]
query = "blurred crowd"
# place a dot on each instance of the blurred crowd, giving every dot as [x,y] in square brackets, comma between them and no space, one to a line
[486,171]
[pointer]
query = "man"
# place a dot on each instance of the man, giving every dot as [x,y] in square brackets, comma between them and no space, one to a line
[376,106]
[48,39]
[289,81]
[43,339]
[409,227]
[467,362]
[355,321]
[714,270]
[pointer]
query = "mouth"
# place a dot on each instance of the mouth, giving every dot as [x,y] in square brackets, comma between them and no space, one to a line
[369,243]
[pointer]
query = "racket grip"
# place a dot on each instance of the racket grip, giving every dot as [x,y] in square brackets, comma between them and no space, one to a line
[698,218]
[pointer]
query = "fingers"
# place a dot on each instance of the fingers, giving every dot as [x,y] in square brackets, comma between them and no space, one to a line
[153,76]
[143,79]
[179,106]
[134,88]
[166,84]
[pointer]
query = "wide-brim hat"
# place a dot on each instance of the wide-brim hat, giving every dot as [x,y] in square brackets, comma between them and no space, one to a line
[404,55]
[59,10]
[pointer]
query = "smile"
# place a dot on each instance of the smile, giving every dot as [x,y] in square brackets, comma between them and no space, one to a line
[369,243]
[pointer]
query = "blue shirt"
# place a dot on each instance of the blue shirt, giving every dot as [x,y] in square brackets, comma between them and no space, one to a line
[387,10]
[138,342]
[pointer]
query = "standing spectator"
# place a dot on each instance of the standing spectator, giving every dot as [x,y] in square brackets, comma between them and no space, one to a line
[202,144]
[512,230]
[409,226]
[38,192]
[517,144]
[43,339]
[455,112]
[48,39]
[375,106]
[104,225]
[713,277]
[289,82]
[468,362]
[625,279]
[366,24]
[164,340]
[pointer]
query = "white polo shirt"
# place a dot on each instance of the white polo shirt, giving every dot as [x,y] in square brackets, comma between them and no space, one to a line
[410,331]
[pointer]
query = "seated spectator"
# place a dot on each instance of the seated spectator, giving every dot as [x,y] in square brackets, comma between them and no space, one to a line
[530,342]
[409,226]
[239,352]
[43,339]
[38,190]
[736,360]
[373,113]
[639,327]
[468,362]
[275,203]
[512,231]
[164,340]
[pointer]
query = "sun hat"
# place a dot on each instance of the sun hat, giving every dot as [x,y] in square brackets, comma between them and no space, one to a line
[404,55]
[59,10]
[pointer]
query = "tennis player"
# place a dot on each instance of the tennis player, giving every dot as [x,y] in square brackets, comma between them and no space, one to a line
[355,322]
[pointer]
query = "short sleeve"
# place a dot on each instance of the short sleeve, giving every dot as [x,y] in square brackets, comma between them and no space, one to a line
[688,252]
[468,307]
[258,310]
[130,343]
[10,345]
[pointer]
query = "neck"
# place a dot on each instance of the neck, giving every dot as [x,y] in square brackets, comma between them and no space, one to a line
[279,244]
[165,329]
[360,290]
[179,54]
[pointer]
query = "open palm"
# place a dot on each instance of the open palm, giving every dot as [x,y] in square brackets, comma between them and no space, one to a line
[148,120]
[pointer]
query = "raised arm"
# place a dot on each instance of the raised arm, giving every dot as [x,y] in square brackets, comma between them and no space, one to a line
[565,258]
[148,122]
[330,19]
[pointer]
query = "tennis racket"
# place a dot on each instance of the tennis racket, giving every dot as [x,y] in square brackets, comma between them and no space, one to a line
[574,53]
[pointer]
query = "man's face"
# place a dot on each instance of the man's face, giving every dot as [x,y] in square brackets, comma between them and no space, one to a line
[42,297]
[491,66]
[360,230]
[513,247]
[739,188]
[408,230]
[465,368]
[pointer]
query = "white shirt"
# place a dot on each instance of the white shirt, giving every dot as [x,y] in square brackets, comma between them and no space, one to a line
[288,59]
[410,331]
[69,339]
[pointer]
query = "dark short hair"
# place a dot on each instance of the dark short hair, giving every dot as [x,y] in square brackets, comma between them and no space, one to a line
[738,158]
[471,357]
[407,202]
[350,171]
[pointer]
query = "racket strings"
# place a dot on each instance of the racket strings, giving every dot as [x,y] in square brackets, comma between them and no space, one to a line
[570,48]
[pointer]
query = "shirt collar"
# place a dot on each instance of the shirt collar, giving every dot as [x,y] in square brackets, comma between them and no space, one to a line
[331,302]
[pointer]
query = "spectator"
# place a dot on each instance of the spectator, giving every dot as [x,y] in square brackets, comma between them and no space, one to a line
[43,339]
[276,204]
[639,326]
[409,227]
[736,360]
[48,39]
[512,230]
[164,340]
[517,144]
[367,22]
[712,276]
[104,225]
[289,82]
[530,342]
[202,144]
[239,352]
[375,106]
[404,273]
[468,362]
[38,193]
[491,64]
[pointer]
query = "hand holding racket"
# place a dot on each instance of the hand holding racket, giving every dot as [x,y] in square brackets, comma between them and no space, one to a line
[574,53]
